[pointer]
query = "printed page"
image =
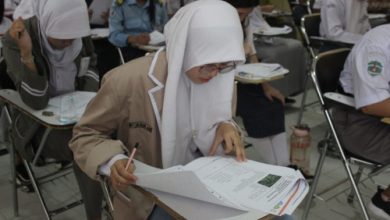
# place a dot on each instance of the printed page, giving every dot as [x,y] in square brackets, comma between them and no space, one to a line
[253,185]
[180,182]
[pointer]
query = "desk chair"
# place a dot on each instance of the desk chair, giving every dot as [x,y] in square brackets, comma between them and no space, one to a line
[5,83]
[325,75]
[310,28]
[121,58]
[13,101]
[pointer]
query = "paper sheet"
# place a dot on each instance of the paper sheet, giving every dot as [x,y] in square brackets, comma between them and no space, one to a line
[248,186]
[255,72]
[100,32]
[156,38]
[271,31]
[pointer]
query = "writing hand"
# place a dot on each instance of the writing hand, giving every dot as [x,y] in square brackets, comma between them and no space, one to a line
[120,177]
[228,135]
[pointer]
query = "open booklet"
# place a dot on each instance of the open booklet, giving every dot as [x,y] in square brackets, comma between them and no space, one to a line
[259,72]
[246,186]
[271,31]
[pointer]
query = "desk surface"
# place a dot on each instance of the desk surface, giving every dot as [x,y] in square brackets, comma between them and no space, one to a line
[148,48]
[252,73]
[81,99]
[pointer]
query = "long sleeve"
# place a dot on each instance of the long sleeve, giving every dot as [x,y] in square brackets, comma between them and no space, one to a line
[116,21]
[92,142]
[33,87]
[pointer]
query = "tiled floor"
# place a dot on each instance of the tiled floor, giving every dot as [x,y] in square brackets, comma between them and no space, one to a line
[331,203]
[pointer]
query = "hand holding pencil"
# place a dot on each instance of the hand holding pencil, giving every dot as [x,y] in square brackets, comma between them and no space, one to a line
[122,172]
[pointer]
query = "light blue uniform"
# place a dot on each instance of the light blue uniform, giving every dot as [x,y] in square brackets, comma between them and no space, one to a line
[131,19]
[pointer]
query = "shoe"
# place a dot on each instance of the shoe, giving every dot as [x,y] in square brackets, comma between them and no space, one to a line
[289,100]
[378,207]
[21,174]
[22,179]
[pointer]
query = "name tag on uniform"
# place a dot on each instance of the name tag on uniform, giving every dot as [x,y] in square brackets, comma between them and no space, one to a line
[84,64]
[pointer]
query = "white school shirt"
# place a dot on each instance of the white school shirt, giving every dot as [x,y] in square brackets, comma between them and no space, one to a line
[344,20]
[366,72]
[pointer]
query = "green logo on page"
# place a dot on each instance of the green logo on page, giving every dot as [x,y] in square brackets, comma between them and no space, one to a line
[374,68]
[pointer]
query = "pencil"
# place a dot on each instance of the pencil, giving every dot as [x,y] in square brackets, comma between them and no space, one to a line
[131,156]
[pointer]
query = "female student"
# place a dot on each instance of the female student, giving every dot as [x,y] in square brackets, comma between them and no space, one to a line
[47,55]
[130,23]
[176,105]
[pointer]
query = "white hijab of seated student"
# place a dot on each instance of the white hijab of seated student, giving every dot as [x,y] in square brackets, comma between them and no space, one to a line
[62,24]
[202,32]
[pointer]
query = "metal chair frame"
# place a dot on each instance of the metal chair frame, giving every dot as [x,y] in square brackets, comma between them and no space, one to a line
[328,99]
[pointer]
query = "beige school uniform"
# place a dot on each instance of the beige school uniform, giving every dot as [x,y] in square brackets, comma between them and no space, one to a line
[123,108]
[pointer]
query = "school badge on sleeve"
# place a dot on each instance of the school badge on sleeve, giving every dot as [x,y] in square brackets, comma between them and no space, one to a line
[374,68]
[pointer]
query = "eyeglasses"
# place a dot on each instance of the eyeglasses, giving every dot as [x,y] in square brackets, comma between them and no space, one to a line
[221,68]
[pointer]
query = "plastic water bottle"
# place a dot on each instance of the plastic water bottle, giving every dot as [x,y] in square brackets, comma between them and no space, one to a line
[300,147]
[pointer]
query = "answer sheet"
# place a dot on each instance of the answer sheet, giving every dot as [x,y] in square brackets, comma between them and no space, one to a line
[245,186]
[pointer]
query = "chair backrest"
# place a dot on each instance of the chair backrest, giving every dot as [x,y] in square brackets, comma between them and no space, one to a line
[310,26]
[327,68]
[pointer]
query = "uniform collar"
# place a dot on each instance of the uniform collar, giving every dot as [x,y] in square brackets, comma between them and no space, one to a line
[134,2]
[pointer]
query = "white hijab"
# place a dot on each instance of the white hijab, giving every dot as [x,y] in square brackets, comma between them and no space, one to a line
[202,32]
[59,19]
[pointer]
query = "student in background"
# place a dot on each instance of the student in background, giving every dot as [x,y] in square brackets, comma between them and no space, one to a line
[130,23]
[45,50]
[366,76]
[344,20]
[9,6]
[261,106]
[5,23]
[283,50]
[107,54]
[176,105]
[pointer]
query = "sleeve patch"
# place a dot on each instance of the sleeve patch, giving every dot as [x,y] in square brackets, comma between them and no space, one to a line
[374,68]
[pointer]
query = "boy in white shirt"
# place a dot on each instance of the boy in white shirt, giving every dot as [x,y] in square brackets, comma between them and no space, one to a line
[366,76]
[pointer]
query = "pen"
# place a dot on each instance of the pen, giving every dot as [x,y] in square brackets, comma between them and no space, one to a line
[131,156]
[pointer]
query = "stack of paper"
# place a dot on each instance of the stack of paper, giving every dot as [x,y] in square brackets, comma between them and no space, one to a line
[156,38]
[244,186]
[259,72]
[271,31]
[100,33]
